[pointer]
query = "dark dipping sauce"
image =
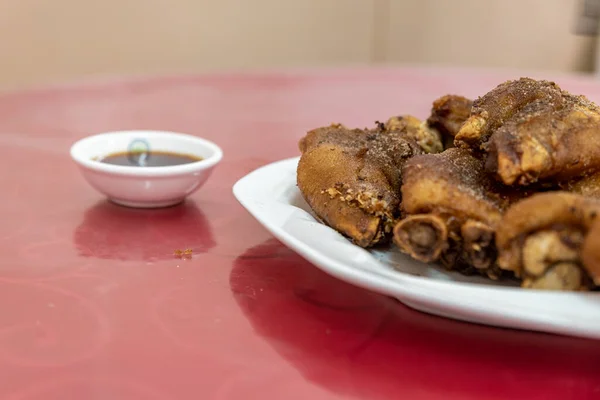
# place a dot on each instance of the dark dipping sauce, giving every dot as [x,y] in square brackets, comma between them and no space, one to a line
[149,159]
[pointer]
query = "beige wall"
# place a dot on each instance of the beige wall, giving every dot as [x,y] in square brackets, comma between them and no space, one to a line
[534,34]
[44,41]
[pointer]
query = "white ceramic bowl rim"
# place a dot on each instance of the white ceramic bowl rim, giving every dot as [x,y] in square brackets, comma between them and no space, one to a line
[83,158]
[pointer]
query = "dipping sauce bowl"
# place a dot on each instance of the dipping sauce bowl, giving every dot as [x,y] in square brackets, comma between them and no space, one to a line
[141,184]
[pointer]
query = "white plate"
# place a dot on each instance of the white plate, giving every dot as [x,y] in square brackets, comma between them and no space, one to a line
[270,194]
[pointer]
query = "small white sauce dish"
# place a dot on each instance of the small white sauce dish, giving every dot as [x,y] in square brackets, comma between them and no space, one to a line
[142,186]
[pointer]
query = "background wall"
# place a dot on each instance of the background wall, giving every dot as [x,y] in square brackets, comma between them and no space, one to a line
[51,40]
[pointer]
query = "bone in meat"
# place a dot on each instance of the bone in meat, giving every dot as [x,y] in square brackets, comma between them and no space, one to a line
[540,239]
[351,179]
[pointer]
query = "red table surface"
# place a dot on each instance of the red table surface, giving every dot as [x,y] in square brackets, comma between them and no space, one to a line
[94,305]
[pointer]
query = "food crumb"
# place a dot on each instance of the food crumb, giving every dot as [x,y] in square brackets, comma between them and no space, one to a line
[187,253]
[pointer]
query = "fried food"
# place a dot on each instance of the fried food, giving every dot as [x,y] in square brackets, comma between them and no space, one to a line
[540,239]
[533,131]
[480,206]
[454,179]
[448,114]
[590,254]
[498,106]
[587,185]
[544,142]
[428,138]
[336,134]
[351,179]
[451,208]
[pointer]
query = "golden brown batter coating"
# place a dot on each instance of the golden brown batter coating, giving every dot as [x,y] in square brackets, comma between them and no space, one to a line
[351,179]
[476,207]
[448,114]
[590,254]
[587,185]
[455,179]
[495,108]
[428,138]
[545,143]
[452,208]
[540,239]
[336,134]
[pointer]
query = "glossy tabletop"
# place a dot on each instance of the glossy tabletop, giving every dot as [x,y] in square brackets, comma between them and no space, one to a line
[94,304]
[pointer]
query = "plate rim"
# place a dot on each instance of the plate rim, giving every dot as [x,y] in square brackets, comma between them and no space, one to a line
[421,290]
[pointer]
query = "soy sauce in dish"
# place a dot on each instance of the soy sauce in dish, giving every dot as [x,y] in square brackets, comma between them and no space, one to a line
[149,159]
